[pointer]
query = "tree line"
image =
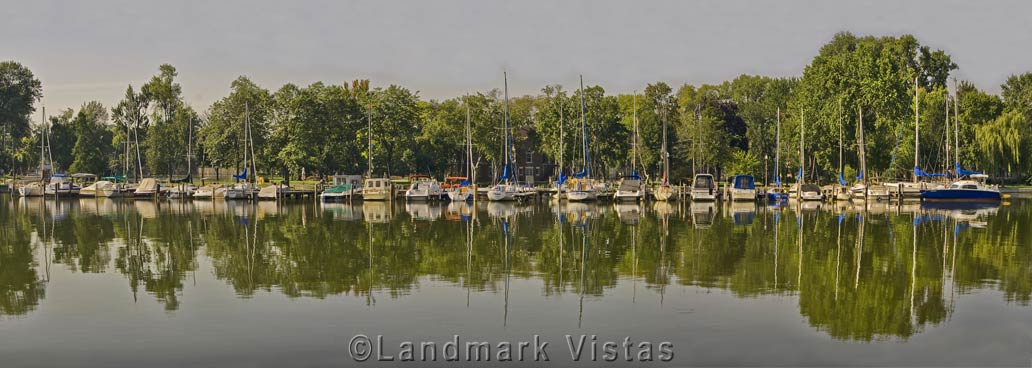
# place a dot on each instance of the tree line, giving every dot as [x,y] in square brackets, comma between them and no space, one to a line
[724,128]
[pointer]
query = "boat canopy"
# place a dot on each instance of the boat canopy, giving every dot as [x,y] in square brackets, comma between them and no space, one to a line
[242,176]
[744,182]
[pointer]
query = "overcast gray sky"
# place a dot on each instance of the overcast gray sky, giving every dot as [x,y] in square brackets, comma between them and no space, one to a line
[91,50]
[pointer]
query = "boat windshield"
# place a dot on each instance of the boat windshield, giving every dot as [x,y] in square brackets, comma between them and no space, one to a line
[703,182]
[627,185]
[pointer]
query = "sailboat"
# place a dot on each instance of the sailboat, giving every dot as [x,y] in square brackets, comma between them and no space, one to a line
[583,188]
[245,190]
[36,188]
[630,188]
[505,189]
[777,194]
[840,189]
[912,190]
[184,187]
[863,190]
[664,192]
[560,192]
[972,185]
[805,192]
[374,189]
[464,191]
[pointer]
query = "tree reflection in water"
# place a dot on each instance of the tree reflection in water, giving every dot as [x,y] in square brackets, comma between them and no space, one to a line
[858,272]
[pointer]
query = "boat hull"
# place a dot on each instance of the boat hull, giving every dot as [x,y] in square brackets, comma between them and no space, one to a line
[960,195]
[741,195]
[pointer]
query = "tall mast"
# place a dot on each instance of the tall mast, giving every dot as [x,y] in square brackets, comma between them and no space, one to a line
[946,100]
[42,124]
[469,146]
[369,140]
[666,158]
[634,145]
[777,150]
[863,148]
[562,148]
[505,131]
[584,130]
[802,143]
[956,125]
[840,136]
[917,126]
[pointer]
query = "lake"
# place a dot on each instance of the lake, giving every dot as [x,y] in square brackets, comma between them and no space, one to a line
[124,283]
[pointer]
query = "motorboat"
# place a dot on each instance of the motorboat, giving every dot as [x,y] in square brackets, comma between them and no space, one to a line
[973,189]
[810,192]
[704,188]
[424,188]
[743,188]
[377,189]
[629,189]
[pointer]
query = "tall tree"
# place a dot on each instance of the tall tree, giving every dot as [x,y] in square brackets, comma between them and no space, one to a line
[19,90]
[92,139]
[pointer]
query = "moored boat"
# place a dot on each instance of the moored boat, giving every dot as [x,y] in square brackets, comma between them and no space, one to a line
[973,189]
[743,188]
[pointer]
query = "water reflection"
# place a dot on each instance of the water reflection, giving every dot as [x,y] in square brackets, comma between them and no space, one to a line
[859,271]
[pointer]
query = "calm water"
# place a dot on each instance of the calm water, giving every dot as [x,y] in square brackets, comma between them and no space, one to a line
[145,284]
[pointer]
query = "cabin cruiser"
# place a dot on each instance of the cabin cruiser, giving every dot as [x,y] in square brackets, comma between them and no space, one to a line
[344,187]
[424,189]
[973,189]
[630,189]
[377,189]
[61,186]
[743,188]
[704,188]
[810,192]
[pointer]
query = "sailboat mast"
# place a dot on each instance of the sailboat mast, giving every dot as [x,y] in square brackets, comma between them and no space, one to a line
[666,156]
[562,148]
[777,149]
[863,148]
[917,126]
[369,140]
[840,136]
[634,145]
[42,124]
[584,130]
[469,147]
[956,125]
[946,163]
[505,131]
[802,143]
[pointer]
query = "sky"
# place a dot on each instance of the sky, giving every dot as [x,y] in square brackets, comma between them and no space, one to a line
[92,50]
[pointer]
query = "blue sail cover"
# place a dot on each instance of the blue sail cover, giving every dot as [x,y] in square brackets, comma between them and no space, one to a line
[841,180]
[860,175]
[582,174]
[464,183]
[242,176]
[634,175]
[505,173]
[962,172]
[777,181]
[919,172]
[800,174]
[562,179]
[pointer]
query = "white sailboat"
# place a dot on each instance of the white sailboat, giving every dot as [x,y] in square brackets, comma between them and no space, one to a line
[505,189]
[246,189]
[36,188]
[805,192]
[464,190]
[841,189]
[374,189]
[777,194]
[582,187]
[630,188]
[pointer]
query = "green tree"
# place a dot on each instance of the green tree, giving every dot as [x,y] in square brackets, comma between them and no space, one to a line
[222,134]
[19,90]
[131,122]
[92,139]
[396,122]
